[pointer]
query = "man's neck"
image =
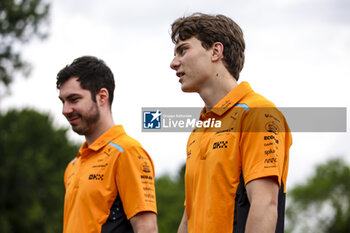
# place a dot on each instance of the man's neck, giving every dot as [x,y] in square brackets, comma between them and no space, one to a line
[100,128]
[217,90]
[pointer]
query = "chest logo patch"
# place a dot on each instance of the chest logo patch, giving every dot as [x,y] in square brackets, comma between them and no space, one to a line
[221,144]
[96,177]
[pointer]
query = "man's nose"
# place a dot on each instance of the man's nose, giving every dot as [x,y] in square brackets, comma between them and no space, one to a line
[175,63]
[66,109]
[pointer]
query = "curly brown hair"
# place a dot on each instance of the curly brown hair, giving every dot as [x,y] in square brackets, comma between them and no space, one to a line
[210,29]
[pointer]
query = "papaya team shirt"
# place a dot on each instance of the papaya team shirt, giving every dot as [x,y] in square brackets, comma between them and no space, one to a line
[108,183]
[253,142]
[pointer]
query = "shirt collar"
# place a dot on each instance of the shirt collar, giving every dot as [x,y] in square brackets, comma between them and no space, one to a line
[111,134]
[229,101]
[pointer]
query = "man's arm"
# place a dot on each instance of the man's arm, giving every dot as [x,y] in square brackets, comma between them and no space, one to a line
[183,223]
[263,198]
[144,222]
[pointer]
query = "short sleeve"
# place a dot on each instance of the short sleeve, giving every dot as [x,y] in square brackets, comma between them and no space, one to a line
[135,181]
[264,145]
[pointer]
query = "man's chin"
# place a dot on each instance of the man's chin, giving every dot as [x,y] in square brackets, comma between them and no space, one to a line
[78,130]
[186,89]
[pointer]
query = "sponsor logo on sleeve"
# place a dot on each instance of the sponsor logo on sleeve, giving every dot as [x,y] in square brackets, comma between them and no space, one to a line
[271,151]
[272,127]
[142,157]
[150,196]
[271,137]
[144,177]
[273,117]
[146,167]
[268,144]
[271,160]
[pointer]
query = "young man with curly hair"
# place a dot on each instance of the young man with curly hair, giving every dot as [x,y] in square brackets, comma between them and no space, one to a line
[236,175]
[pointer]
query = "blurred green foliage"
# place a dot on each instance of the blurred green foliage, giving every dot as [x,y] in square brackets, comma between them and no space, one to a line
[20,21]
[322,203]
[33,158]
[170,201]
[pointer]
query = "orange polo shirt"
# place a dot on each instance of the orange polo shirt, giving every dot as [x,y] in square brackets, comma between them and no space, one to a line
[108,183]
[252,142]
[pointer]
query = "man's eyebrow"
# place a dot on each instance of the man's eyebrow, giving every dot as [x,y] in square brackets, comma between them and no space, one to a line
[69,96]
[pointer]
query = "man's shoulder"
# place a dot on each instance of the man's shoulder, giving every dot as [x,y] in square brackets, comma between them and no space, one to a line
[126,142]
[255,100]
[259,106]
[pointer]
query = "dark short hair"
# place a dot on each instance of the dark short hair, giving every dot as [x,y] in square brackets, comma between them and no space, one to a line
[93,74]
[210,29]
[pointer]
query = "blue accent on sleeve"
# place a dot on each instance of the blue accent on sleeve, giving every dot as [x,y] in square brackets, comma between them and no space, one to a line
[246,107]
[116,146]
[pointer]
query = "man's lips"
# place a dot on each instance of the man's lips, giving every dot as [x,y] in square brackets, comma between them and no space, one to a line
[180,79]
[73,119]
[180,75]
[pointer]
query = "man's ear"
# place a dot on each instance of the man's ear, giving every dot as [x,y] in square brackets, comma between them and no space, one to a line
[217,51]
[102,97]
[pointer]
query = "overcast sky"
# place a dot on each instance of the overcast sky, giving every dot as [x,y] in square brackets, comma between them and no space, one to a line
[297,55]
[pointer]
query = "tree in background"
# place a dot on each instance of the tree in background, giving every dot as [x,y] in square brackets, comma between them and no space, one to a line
[20,21]
[33,158]
[322,203]
[170,201]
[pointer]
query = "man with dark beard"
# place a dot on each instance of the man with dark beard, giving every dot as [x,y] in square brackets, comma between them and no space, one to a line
[110,184]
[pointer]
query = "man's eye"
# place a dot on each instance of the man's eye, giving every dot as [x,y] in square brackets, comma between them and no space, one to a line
[182,50]
[74,100]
